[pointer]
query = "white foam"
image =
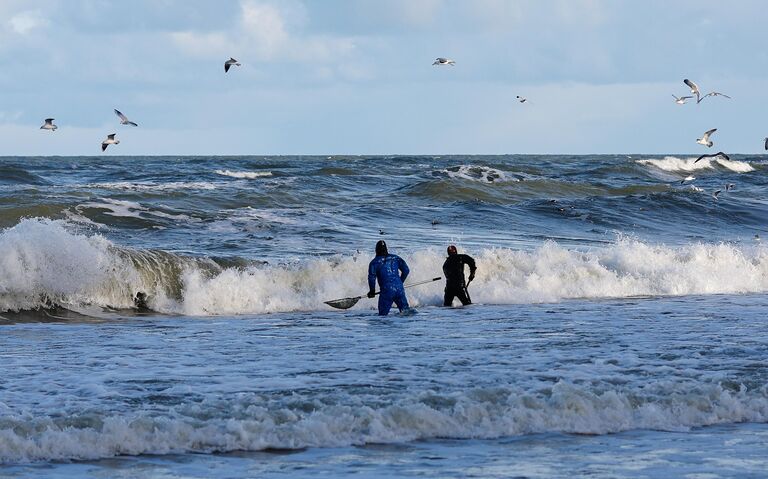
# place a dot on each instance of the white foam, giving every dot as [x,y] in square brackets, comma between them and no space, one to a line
[484,174]
[130,209]
[251,422]
[244,174]
[152,186]
[43,258]
[674,164]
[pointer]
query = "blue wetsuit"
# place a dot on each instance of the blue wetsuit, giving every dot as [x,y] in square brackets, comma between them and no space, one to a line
[385,269]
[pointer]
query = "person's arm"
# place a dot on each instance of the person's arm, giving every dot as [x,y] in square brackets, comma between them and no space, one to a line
[472,267]
[371,279]
[404,271]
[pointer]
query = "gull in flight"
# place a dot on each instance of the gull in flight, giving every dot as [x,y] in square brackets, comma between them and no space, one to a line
[443,61]
[50,126]
[729,186]
[109,141]
[695,90]
[687,178]
[521,99]
[228,64]
[704,140]
[714,195]
[681,100]
[124,119]
[718,154]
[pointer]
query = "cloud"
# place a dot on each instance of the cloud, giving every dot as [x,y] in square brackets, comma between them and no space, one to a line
[262,32]
[27,21]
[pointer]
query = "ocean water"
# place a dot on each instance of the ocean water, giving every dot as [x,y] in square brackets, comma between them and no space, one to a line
[618,328]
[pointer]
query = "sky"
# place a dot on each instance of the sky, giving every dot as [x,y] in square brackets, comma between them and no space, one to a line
[356,76]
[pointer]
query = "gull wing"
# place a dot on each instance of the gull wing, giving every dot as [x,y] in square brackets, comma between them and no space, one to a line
[120,115]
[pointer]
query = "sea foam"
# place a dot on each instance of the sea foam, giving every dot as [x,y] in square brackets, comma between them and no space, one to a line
[45,261]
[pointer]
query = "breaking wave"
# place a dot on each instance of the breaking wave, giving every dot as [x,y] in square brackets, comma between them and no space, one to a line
[244,174]
[252,421]
[674,164]
[46,261]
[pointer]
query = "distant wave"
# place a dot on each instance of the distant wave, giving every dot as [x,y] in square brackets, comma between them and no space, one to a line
[483,174]
[252,422]
[674,164]
[244,174]
[152,186]
[45,261]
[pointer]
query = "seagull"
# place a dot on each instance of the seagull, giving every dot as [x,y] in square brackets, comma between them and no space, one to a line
[704,140]
[687,178]
[228,64]
[109,141]
[729,186]
[50,126]
[681,100]
[521,99]
[719,153]
[714,195]
[124,119]
[443,61]
[714,93]
[694,89]
[766,143]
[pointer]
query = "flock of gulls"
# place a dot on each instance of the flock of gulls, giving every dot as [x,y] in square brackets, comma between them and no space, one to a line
[705,139]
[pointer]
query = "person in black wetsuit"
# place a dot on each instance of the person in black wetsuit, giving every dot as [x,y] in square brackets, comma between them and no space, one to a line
[453,269]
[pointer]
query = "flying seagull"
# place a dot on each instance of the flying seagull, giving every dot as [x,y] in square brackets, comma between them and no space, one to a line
[719,153]
[704,140]
[681,100]
[228,64]
[521,99]
[714,195]
[443,61]
[124,119]
[109,141]
[50,126]
[729,186]
[687,178]
[714,93]
[694,89]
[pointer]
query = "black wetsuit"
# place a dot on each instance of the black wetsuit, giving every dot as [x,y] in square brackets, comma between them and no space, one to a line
[453,269]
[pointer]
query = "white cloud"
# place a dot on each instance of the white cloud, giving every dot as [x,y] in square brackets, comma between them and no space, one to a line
[27,21]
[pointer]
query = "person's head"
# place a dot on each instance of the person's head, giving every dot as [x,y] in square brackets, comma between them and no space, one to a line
[452,250]
[381,248]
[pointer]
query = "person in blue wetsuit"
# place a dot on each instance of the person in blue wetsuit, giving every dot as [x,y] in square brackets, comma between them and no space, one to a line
[391,272]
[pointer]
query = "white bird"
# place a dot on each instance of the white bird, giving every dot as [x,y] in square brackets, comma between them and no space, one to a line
[681,100]
[444,61]
[228,64]
[521,99]
[714,195]
[109,141]
[714,93]
[687,178]
[124,119]
[729,186]
[694,89]
[50,126]
[704,140]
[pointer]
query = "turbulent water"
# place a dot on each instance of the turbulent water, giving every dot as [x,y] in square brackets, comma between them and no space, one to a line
[613,300]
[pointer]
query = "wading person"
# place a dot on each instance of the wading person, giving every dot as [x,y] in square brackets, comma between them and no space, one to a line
[390,270]
[453,269]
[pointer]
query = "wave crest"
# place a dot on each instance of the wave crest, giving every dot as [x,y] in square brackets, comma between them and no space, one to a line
[44,261]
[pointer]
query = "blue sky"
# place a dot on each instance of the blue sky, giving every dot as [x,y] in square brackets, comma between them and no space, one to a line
[355,77]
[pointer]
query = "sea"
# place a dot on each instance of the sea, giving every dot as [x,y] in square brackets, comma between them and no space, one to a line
[618,325]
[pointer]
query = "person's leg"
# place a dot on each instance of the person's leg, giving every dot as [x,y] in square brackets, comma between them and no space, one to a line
[448,298]
[385,304]
[401,301]
[461,293]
